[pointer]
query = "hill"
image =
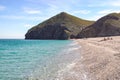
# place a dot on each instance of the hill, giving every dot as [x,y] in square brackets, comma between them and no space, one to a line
[62,26]
[108,25]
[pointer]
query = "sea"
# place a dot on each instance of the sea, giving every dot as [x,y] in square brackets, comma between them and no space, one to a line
[37,59]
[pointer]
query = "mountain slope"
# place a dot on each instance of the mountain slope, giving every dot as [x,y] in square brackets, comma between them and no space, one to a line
[108,25]
[62,26]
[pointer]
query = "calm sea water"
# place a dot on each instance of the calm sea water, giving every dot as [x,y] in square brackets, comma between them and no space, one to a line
[35,59]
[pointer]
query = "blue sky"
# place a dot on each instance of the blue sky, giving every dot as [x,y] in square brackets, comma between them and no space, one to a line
[17,16]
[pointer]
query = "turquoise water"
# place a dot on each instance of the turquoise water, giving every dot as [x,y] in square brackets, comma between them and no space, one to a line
[35,59]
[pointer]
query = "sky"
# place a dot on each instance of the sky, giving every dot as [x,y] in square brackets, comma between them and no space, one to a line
[17,16]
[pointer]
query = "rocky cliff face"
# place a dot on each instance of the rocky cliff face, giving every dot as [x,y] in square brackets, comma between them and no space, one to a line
[62,26]
[108,25]
[56,31]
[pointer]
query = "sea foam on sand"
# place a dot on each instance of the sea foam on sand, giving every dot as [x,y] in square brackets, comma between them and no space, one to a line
[68,72]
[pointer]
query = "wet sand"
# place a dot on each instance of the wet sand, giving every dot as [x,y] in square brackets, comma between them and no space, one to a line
[100,60]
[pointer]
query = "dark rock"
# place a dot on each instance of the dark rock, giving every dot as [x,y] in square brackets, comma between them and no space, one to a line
[55,31]
[62,26]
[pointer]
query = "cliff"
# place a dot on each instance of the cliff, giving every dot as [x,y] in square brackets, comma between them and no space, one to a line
[108,25]
[62,26]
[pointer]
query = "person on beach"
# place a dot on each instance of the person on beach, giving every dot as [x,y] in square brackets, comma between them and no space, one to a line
[105,39]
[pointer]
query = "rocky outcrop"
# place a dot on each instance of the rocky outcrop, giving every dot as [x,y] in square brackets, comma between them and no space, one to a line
[56,31]
[108,25]
[62,26]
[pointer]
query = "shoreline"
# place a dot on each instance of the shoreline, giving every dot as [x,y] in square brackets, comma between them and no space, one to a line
[67,73]
[100,59]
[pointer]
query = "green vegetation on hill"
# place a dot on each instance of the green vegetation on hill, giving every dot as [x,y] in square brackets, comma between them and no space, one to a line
[114,14]
[108,25]
[72,26]
[66,26]
[66,19]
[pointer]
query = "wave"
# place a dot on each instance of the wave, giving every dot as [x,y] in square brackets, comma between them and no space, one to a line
[57,66]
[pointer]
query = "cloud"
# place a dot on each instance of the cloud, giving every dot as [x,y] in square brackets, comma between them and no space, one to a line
[96,17]
[11,17]
[115,3]
[2,7]
[106,3]
[104,12]
[52,7]
[111,3]
[28,25]
[38,1]
[31,11]
[81,12]
[17,17]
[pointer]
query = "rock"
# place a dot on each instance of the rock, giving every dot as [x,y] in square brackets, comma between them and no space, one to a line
[62,26]
[108,25]
[56,31]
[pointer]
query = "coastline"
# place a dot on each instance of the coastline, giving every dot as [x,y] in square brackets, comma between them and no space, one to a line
[100,59]
[80,59]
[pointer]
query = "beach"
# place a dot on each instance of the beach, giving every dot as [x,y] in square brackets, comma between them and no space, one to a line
[100,59]
[78,59]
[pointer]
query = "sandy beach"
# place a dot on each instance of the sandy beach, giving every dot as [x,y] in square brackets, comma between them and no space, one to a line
[100,60]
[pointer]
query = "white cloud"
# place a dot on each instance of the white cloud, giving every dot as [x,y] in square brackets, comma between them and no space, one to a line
[28,25]
[104,12]
[17,17]
[96,17]
[12,35]
[52,7]
[105,3]
[100,4]
[115,3]
[31,11]
[11,17]
[53,10]
[2,7]
[81,12]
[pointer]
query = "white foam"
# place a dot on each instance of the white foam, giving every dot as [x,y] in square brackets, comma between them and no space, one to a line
[73,44]
[60,65]
[62,71]
[74,48]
